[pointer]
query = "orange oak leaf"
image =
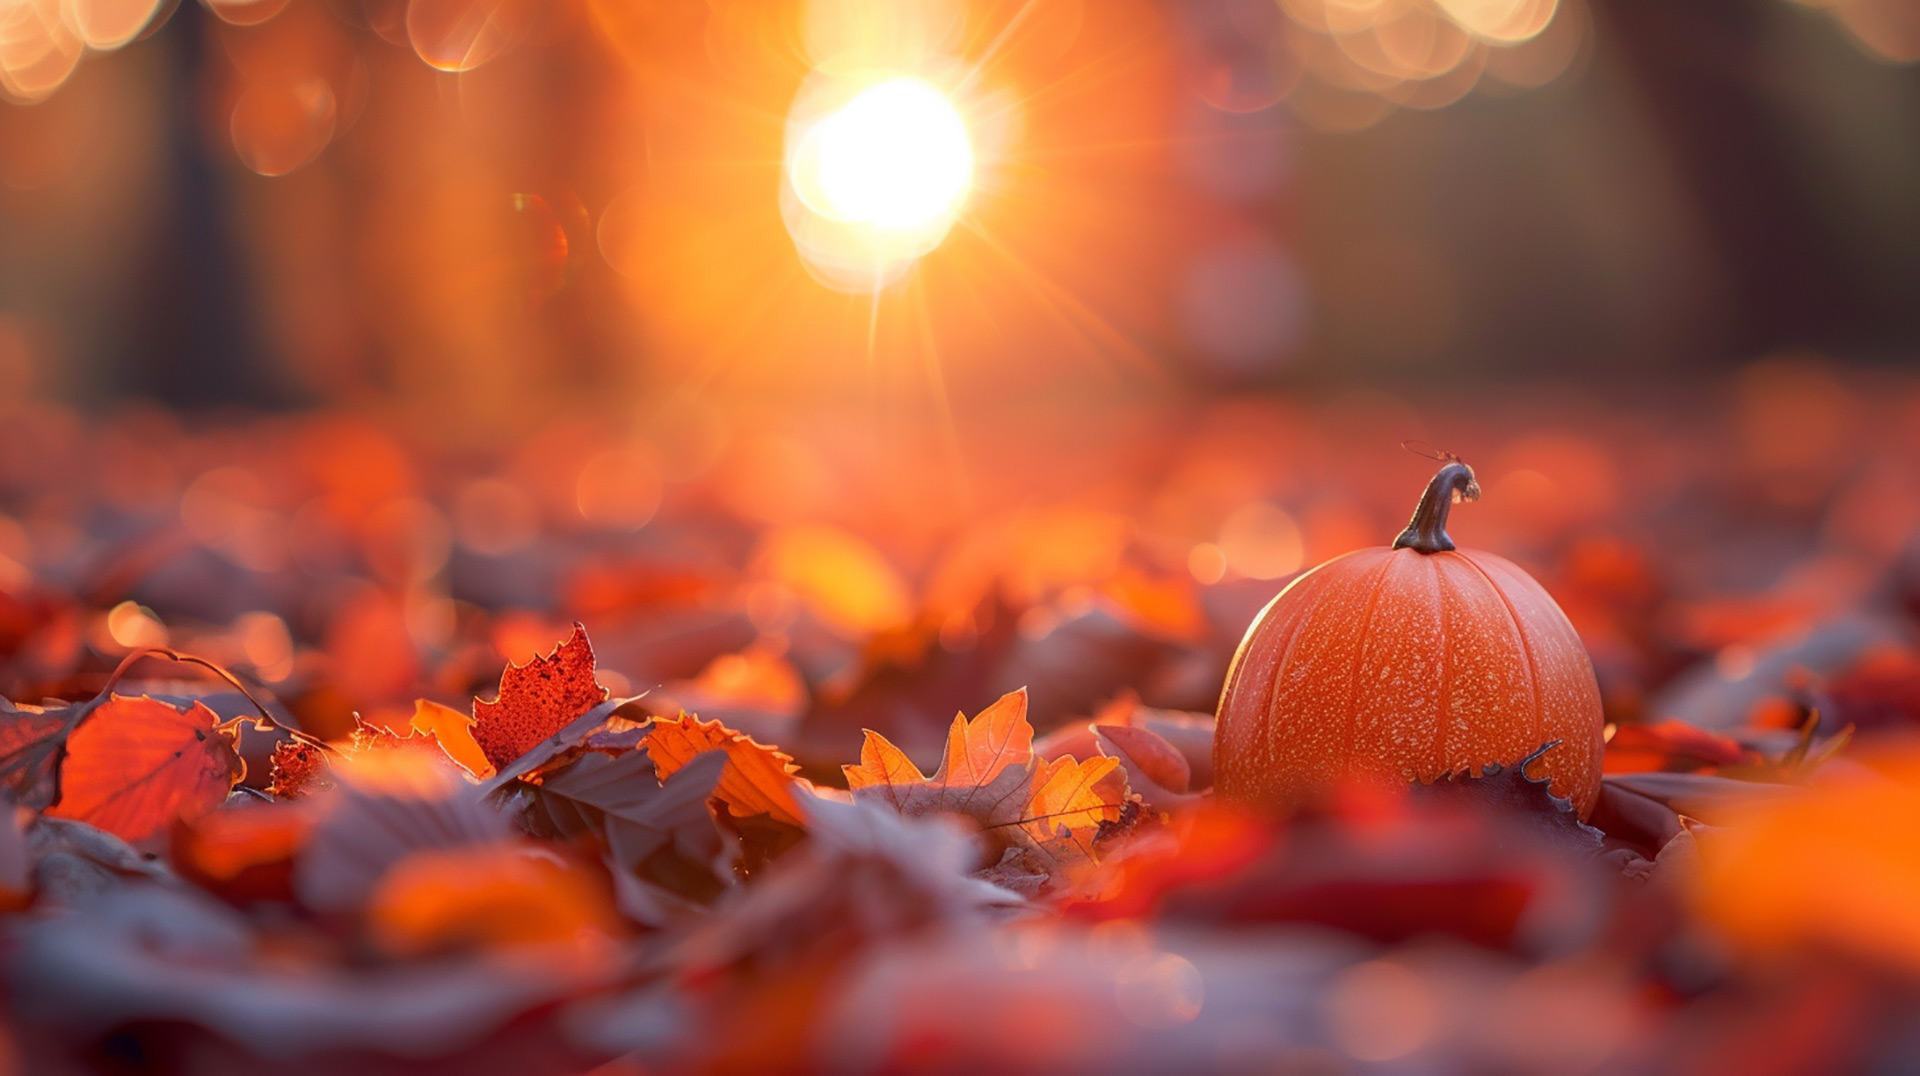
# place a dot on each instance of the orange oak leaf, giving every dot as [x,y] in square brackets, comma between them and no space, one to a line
[136,764]
[758,779]
[986,773]
[1071,799]
[537,700]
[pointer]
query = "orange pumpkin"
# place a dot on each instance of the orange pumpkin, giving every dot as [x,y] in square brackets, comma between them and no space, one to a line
[1408,663]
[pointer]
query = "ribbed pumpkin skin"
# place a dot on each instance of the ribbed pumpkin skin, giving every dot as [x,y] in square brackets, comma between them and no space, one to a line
[1397,662]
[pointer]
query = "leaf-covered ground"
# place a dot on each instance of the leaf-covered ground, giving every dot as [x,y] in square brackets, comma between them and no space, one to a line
[747,743]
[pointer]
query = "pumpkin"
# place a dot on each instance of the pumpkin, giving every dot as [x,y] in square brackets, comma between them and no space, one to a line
[1413,662]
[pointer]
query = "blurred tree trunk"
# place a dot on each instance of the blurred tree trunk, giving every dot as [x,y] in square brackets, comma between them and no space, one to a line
[1703,68]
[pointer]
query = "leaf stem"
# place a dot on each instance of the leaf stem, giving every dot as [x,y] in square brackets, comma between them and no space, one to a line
[264,723]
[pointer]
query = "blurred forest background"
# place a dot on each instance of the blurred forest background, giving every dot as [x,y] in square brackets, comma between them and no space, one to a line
[571,205]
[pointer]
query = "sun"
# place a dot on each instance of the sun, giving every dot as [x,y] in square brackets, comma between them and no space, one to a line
[896,156]
[880,164]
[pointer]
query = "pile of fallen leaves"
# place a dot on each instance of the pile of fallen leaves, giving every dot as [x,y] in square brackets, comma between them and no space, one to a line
[306,769]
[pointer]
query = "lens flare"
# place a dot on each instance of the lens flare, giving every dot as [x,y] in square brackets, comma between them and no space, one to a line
[878,167]
[896,156]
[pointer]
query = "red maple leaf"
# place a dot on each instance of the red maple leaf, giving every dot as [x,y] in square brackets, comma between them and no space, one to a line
[537,700]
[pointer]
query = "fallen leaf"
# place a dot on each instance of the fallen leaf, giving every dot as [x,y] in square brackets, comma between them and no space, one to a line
[985,774]
[757,691]
[1673,746]
[1703,796]
[1154,768]
[372,735]
[1187,734]
[600,729]
[662,831]
[537,700]
[1071,799]
[867,875]
[135,764]
[299,769]
[31,743]
[1632,818]
[990,774]
[1833,866]
[244,852]
[73,862]
[170,954]
[389,805]
[1397,869]
[504,895]
[453,731]
[758,779]
[1510,791]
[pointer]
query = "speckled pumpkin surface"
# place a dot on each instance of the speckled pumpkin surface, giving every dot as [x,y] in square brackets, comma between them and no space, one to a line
[1407,664]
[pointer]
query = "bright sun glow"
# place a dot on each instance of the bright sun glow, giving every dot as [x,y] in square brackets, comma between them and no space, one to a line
[896,156]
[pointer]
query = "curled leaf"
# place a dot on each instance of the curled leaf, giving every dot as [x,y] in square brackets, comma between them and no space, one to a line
[758,779]
[1154,768]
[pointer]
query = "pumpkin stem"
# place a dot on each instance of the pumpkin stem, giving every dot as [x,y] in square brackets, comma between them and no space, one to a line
[1427,532]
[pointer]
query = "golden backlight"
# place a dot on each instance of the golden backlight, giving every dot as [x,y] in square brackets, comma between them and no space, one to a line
[897,156]
[878,167]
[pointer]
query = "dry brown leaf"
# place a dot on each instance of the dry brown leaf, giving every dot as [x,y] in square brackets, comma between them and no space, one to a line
[758,779]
